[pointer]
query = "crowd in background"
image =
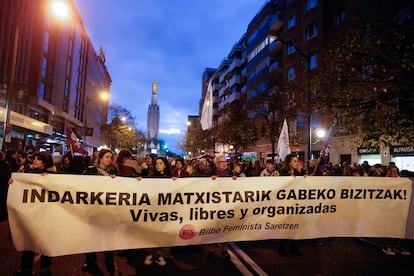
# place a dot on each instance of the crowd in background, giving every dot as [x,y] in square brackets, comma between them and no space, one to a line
[125,164]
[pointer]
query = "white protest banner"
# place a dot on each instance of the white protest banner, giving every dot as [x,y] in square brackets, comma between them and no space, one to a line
[69,214]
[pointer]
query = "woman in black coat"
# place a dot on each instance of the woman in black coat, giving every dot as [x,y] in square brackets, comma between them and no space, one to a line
[42,164]
[104,166]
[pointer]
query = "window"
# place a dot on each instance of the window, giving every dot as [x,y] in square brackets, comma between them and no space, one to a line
[46,42]
[77,113]
[404,15]
[313,61]
[366,72]
[20,95]
[262,45]
[68,68]
[42,89]
[70,49]
[262,88]
[251,75]
[65,104]
[311,30]
[291,47]
[44,67]
[310,4]
[340,16]
[291,22]
[291,73]
[252,94]
[78,98]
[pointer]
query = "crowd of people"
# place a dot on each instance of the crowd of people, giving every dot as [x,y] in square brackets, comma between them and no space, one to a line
[125,164]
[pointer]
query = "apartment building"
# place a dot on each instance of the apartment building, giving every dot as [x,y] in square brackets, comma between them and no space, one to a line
[281,52]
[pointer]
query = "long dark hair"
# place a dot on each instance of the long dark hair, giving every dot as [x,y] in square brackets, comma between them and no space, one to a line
[288,159]
[167,170]
[122,154]
[101,154]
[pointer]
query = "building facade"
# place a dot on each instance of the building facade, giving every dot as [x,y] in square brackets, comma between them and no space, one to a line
[271,71]
[51,77]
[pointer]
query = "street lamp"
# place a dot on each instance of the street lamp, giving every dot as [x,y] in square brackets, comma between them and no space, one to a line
[320,133]
[60,9]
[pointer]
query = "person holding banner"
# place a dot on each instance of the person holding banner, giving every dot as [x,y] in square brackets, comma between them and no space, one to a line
[147,166]
[42,164]
[237,170]
[270,169]
[201,168]
[294,168]
[104,166]
[221,170]
[393,246]
[221,167]
[161,169]
[179,170]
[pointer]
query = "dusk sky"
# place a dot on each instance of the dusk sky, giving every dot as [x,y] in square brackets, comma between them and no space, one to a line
[171,42]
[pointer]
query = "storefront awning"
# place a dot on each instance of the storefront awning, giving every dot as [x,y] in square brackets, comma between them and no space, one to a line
[20,120]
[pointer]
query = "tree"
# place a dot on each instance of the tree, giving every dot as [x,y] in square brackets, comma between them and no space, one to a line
[237,128]
[199,140]
[121,130]
[368,74]
[270,109]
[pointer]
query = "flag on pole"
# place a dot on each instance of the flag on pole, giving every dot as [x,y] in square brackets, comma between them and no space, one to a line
[324,153]
[72,141]
[283,143]
[207,112]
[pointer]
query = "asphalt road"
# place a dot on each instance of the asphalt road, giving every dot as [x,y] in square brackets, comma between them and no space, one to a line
[333,256]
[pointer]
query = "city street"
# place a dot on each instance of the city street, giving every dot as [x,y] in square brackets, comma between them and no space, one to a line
[334,256]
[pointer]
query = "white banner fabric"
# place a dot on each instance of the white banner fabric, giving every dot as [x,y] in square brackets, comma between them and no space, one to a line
[69,214]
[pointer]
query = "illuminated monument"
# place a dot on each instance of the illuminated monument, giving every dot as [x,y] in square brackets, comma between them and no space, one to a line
[153,121]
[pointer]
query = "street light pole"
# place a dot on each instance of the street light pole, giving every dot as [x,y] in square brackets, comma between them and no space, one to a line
[9,97]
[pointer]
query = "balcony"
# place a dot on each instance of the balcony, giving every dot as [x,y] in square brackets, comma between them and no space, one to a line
[223,89]
[236,62]
[231,98]
[234,80]
[275,48]
[223,66]
[276,23]
[216,86]
[224,75]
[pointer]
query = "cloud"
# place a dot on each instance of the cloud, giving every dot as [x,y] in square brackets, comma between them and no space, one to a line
[168,41]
